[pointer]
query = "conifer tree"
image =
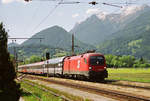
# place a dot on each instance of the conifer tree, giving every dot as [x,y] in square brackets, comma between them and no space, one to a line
[9,89]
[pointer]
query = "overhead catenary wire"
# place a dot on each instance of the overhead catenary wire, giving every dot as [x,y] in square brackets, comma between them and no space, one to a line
[32,19]
[51,11]
[95,3]
[74,2]
[112,5]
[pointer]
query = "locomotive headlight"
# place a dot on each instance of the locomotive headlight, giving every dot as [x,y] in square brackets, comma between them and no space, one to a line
[90,67]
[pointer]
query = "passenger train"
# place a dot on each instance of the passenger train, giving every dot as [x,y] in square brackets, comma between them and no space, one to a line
[88,65]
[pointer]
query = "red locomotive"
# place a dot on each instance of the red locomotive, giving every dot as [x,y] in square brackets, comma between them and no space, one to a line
[89,65]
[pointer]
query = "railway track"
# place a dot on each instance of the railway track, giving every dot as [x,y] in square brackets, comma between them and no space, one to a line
[45,90]
[38,98]
[122,96]
[19,79]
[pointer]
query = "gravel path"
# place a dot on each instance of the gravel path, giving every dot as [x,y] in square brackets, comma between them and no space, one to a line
[75,92]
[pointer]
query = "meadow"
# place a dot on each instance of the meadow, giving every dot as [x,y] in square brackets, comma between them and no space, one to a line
[129,74]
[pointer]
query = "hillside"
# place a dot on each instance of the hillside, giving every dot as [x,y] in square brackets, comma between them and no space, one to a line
[134,39]
[56,37]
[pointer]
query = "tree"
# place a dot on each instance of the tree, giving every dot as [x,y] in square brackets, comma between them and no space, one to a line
[35,58]
[9,89]
[32,59]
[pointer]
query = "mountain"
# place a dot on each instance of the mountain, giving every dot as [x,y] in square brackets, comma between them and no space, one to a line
[97,28]
[56,37]
[133,39]
[93,30]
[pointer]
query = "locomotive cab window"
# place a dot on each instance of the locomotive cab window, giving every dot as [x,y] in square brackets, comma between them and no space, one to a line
[96,60]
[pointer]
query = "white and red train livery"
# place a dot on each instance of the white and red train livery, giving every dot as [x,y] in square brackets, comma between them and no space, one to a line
[90,65]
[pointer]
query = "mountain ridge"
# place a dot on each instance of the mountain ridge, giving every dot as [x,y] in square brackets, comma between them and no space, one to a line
[103,28]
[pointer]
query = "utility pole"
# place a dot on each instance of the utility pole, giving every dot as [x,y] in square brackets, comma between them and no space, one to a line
[72,44]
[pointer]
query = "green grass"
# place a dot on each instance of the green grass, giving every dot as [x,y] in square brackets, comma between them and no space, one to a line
[35,91]
[129,74]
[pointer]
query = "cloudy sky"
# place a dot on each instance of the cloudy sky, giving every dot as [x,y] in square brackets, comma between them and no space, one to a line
[24,19]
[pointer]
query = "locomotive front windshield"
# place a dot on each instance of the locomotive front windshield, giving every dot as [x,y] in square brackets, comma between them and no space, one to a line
[96,60]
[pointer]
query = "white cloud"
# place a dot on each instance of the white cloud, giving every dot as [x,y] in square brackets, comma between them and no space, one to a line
[9,1]
[92,11]
[75,15]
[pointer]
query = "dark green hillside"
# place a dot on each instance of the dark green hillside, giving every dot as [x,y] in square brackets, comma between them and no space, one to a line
[56,37]
[134,39]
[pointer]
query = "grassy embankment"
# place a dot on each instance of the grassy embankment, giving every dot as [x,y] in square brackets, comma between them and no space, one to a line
[129,74]
[31,93]
[45,96]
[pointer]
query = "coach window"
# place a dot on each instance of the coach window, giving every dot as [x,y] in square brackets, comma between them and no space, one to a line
[85,60]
